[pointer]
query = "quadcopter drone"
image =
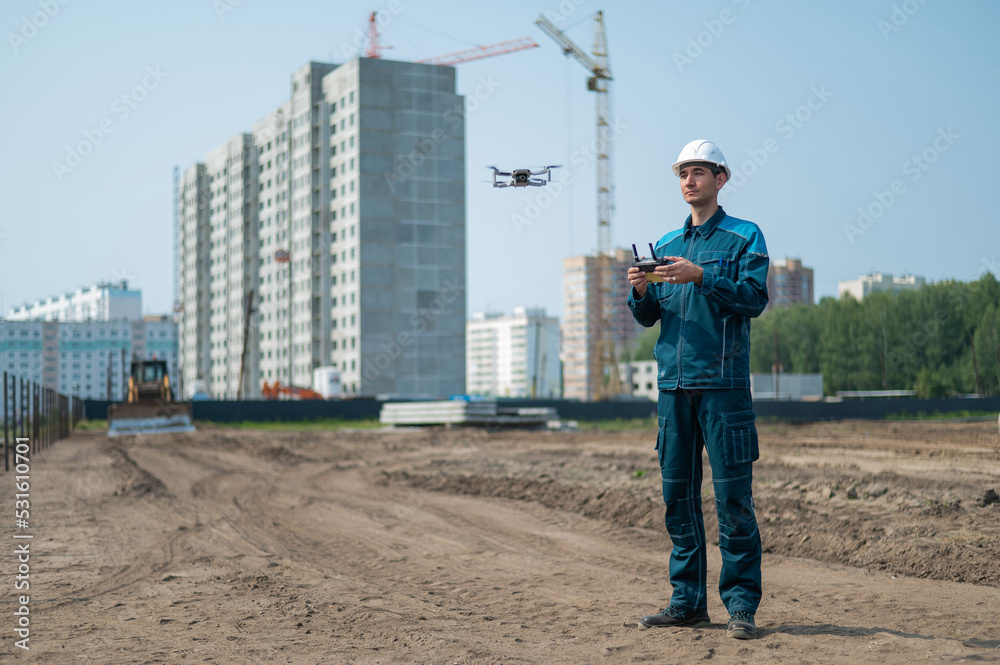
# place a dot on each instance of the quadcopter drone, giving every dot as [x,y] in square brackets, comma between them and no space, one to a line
[522,177]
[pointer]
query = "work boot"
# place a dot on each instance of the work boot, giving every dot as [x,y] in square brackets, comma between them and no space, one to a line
[741,625]
[675,616]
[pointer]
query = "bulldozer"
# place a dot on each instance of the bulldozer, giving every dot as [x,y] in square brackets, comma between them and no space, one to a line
[149,406]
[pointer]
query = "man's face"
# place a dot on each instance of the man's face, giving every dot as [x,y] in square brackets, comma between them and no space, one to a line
[698,185]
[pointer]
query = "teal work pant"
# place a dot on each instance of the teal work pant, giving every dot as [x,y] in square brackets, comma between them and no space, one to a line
[723,422]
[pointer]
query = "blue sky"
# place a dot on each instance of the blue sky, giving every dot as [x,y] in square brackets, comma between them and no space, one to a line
[863,133]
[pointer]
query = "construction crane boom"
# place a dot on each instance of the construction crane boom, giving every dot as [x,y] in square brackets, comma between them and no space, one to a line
[570,48]
[480,52]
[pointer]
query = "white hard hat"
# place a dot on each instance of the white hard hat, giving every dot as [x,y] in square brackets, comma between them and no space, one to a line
[701,151]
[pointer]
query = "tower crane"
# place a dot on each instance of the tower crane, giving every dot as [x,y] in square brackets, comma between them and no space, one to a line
[603,363]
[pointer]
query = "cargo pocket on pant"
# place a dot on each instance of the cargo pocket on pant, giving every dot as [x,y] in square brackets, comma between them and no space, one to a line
[740,438]
[661,423]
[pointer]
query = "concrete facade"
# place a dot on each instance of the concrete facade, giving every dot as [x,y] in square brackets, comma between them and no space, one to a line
[513,356]
[353,239]
[193,275]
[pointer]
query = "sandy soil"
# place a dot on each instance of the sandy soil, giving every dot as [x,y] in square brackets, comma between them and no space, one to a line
[463,546]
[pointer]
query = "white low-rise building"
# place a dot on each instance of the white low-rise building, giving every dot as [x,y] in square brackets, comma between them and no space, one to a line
[513,356]
[105,301]
[879,282]
[641,374]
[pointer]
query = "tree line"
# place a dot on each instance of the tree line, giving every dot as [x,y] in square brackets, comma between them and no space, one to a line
[941,340]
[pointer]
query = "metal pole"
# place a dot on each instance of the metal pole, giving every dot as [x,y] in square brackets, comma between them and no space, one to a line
[125,373]
[246,338]
[13,402]
[34,421]
[6,413]
[975,366]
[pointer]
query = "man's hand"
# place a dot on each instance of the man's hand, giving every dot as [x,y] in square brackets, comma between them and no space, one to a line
[637,278]
[681,271]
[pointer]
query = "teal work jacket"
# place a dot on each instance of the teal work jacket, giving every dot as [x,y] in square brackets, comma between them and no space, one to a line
[704,339]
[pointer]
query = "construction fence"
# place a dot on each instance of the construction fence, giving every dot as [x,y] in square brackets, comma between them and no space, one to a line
[34,416]
[369,409]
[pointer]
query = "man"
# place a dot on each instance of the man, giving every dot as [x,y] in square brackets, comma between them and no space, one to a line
[715,283]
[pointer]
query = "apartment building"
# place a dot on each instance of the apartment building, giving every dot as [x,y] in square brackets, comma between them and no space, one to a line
[105,301]
[346,219]
[789,283]
[513,356]
[86,359]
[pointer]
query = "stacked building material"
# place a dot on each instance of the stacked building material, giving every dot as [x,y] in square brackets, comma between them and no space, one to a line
[462,412]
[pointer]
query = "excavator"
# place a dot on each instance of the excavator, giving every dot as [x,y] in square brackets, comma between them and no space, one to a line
[273,390]
[149,406]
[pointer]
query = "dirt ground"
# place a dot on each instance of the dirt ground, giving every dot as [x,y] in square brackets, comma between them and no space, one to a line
[882,545]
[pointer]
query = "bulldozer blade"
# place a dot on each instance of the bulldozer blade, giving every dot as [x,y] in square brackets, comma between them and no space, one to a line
[149,418]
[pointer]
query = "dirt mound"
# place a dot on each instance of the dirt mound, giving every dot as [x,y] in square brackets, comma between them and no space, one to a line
[613,504]
[914,525]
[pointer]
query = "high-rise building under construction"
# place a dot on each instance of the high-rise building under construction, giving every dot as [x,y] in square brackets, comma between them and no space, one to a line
[583,319]
[338,223]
